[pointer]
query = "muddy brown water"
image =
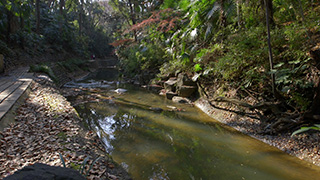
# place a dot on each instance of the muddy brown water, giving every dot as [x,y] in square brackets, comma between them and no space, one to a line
[184,144]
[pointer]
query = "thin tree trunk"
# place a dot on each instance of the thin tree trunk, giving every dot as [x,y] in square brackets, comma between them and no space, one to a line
[80,23]
[81,14]
[133,19]
[239,12]
[270,51]
[125,17]
[268,6]
[9,18]
[303,21]
[62,4]
[315,56]
[22,28]
[38,16]
[12,25]
[222,18]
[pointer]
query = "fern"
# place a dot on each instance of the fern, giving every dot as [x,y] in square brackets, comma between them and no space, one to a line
[304,129]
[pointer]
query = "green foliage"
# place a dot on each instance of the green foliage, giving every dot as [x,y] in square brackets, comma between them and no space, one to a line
[197,68]
[62,160]
[304,129]
[135,58]
[128,60]
[235,53]
[241,53]
[59,30]
[44,69]
[74,64]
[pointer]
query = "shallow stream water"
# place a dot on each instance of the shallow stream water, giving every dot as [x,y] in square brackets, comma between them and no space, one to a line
[179,142]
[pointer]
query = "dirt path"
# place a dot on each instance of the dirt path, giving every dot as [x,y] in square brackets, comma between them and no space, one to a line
[46,125]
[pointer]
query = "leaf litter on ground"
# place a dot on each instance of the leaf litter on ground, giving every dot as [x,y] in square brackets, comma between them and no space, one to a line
[46,125]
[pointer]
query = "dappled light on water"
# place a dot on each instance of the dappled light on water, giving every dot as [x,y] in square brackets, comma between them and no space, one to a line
[185,144]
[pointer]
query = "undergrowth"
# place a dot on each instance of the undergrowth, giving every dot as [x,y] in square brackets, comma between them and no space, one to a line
[44,69]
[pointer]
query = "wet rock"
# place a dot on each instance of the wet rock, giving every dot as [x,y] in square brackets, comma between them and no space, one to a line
[170,85]
[186,91]
[154,88]
[182,100]
[156,109]
[185,86]
[170,95]
[45,172]
[162,92]
[184,80]
[120,91]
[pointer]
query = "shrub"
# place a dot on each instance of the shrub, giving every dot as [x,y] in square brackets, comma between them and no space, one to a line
[44,69]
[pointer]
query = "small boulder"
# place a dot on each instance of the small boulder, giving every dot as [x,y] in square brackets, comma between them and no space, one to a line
[154,88]
[45,172]
[156,109]
[162,92]
[184,80]
[170,95]
[182,100]
[170,85]
[186,91]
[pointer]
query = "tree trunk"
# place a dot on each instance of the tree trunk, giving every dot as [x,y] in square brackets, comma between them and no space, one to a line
[315,56]
[133,19]
[267,5]
[239,12]
[81,17]
[303,21]
[38,16]
[9,17]
[270,51]
[12,24]
[80,23]
[222,17]
[62,4]
[22,29]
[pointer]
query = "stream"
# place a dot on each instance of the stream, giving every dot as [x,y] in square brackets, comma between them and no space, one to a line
[154,138]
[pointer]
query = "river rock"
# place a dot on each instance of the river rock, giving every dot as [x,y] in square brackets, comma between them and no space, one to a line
[170,95]
[170,85]
[162,92]
[120,91]
[184,80]
[156,109]
[186,91]
[40,171]
[182,100]
[154,88]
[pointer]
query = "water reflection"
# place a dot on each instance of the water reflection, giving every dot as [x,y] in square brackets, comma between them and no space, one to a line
[182,145]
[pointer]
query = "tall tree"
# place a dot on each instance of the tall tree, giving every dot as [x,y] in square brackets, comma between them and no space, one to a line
[222,17]
[133,16]
[38,16]
[81,15]
[239,2]
[267,5]
[270,48]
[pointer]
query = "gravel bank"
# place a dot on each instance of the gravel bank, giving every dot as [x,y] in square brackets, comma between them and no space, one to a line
[304,146]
